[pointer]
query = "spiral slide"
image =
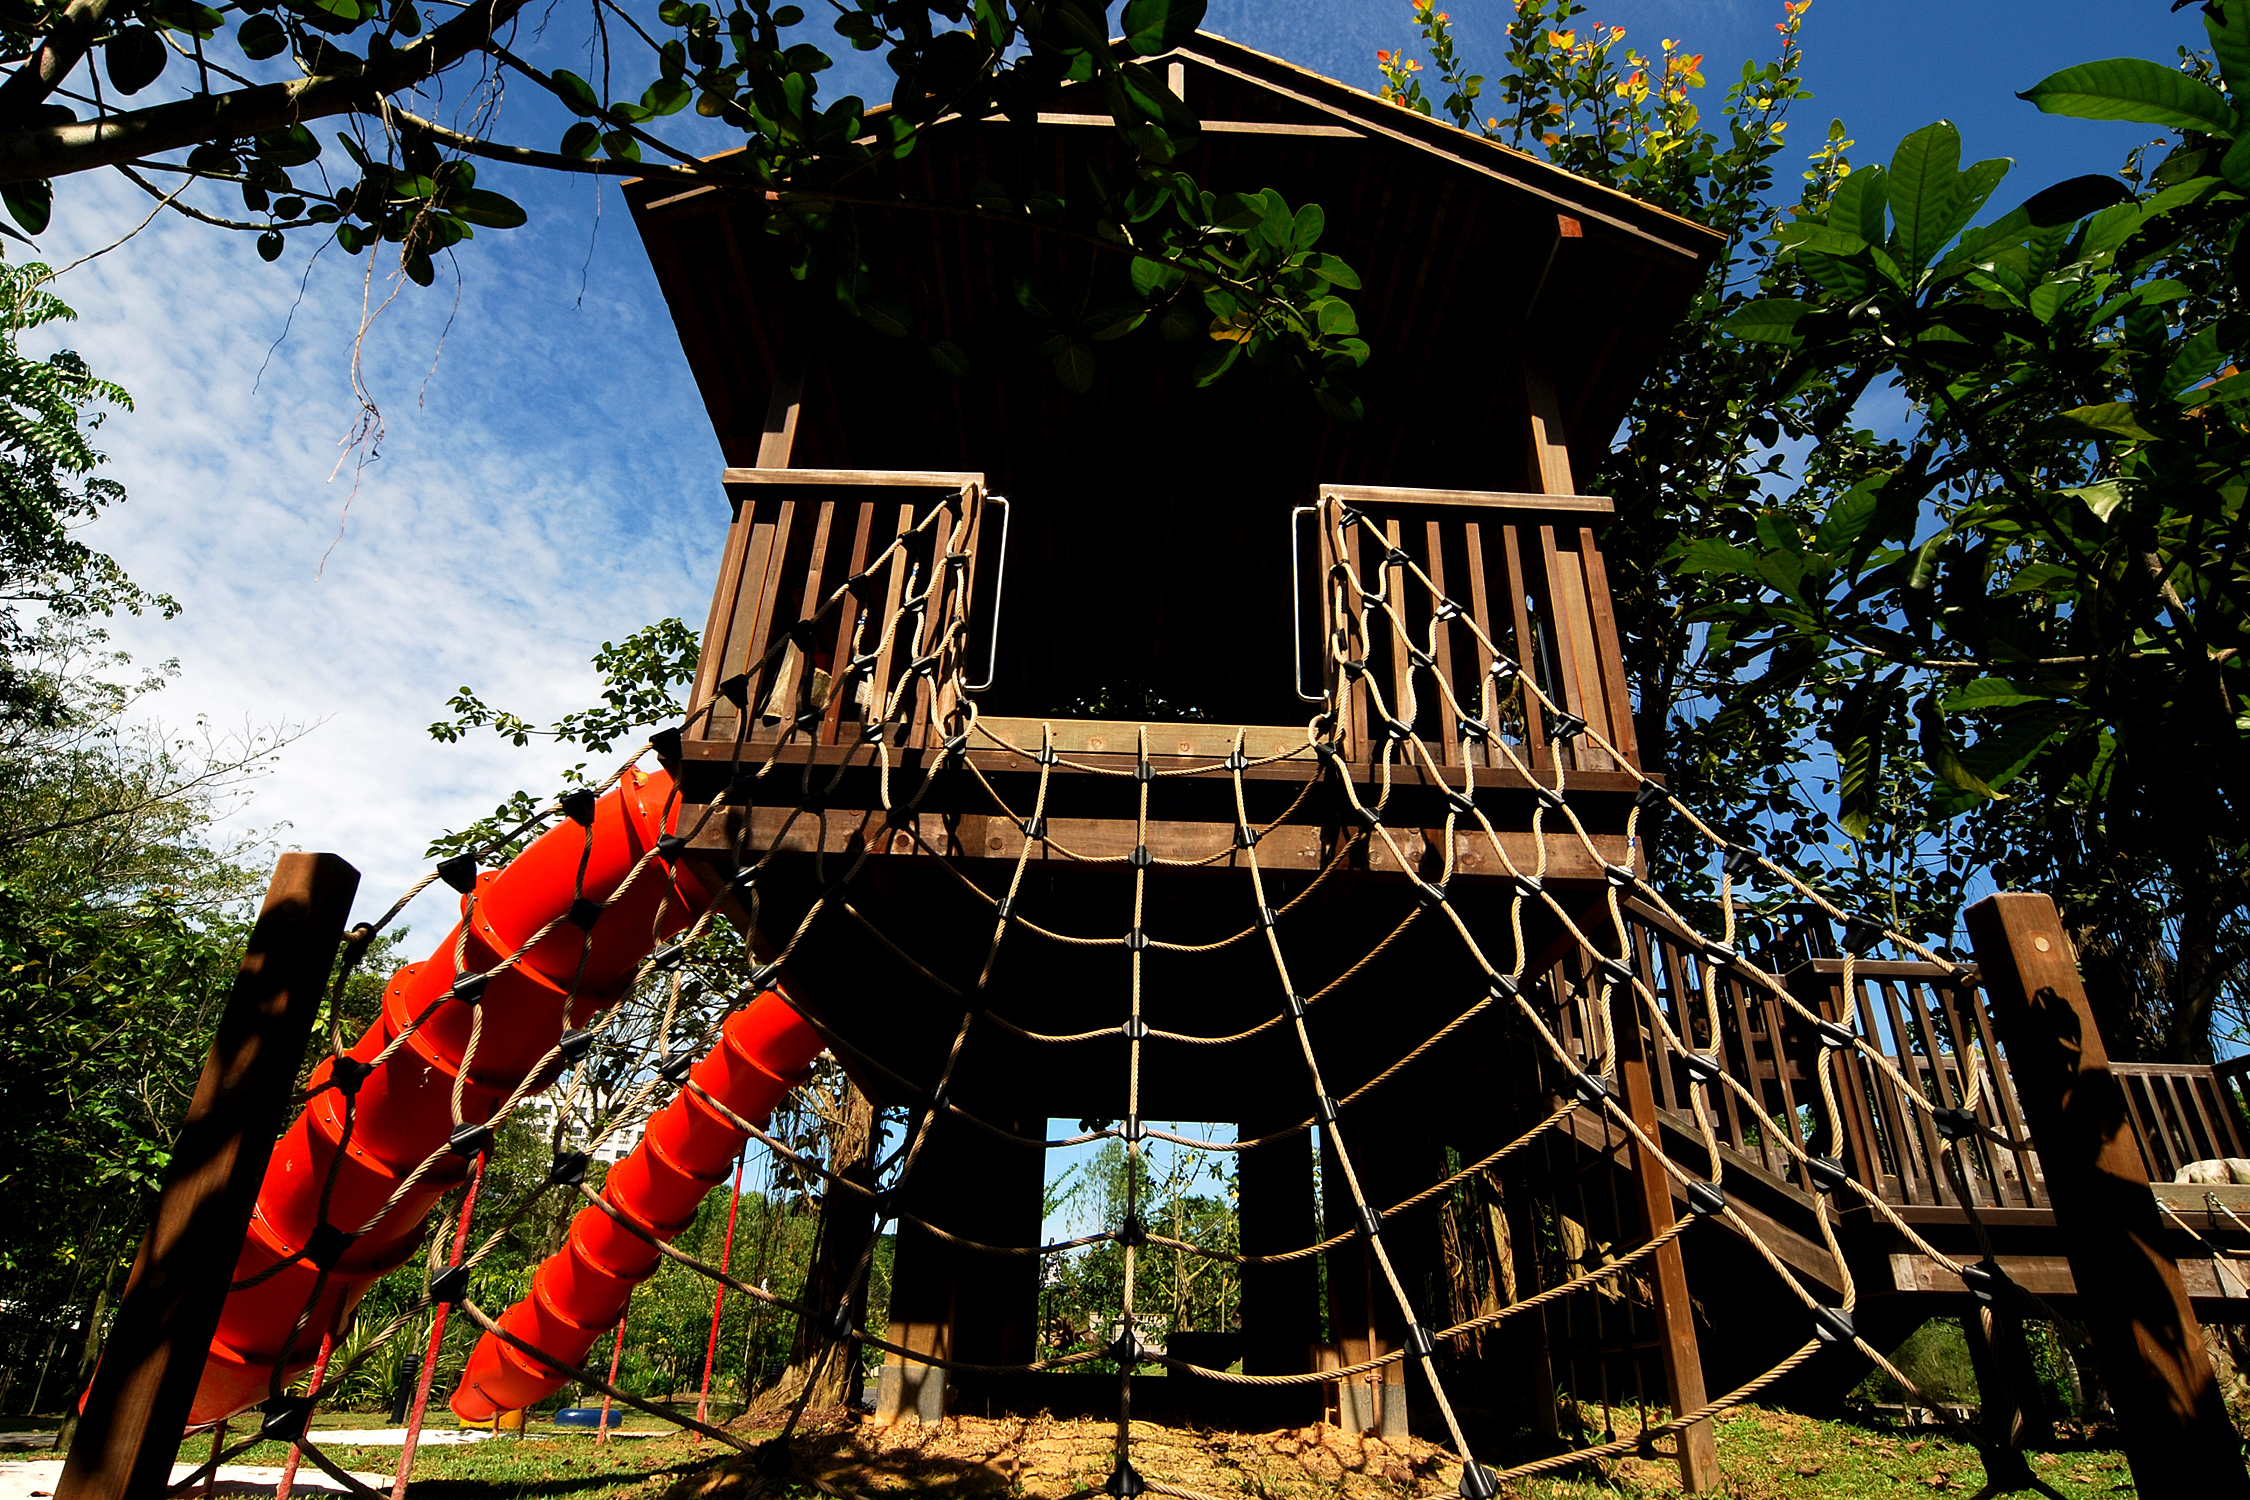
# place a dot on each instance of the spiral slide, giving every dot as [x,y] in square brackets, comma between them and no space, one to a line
[402,1109]
[685,1151]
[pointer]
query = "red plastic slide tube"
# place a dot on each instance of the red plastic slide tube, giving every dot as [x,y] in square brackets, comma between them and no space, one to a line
[403,1109]
[579,1292]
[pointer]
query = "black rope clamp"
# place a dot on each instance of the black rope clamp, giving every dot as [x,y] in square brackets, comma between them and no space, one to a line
[1143,771]
[1448,610]
[1419,657]
[1832,1325]
[801,635]
[577,804]
[1615,970]
[1861,933]
[1504,988]
[460,872]
[1035,829]
[935,1101]
[1527,887]
[1619,876]
[666,744]
[839,1323]
[1651,797]
[956,748]
[1706,1199]
[1004,908]
[1954,1124]
[1047,754]
[1246,837]
[1397,558]
[677,1065]
[450,1285]
[568,1169]
[1236,761]
[573,1045]
[1703,1070]
[1266,916]
[1460,802]
[1350,516]
[899,815]
[1475,731]
[1985,1280]
[761,978]
[862,664]
[1503,670]
[1294,1005]
[326,1245]
[1565,727]
[1127,1349]
[670,847]
[1739,863]
[1834,1036]
[736,689]
[1548,798]
[1370,1221]
[1136,939]
[1826,1174]
[1588,1089]
[1124,1481]
[1325,1109]
[469,988]
[1353,669]
[285,1418]
[1135,1029]
[1478,1482]
[1721,955]
[670,956]
[1131,1231]
[583,914]
[468,1139]
[1140,858]
[1431,894]
[1130,1128]
[1418,1341]
[347,1073]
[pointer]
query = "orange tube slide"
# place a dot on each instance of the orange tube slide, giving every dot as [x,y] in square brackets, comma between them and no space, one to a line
[686,1150]
[403,1109]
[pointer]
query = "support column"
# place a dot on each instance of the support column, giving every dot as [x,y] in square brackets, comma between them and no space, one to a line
[1280,1304]
[2177,1436]
[155,1354]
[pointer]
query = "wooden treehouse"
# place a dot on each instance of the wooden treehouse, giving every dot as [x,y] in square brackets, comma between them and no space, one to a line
[1137,583]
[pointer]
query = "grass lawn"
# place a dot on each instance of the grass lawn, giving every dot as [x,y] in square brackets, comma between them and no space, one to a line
[1761,1454]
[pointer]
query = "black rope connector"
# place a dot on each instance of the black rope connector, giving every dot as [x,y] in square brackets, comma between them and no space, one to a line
[1861,933]
[1430,894]
[1349,516]
[1825,1173]
[578,805]
[1460,802]
[1266,916]
[1619,876]
[1565,728]
[1448,610]
[956,748]
[1135,1029]
[1140,858]
[801,634]
[1353,668]
[568,1169]
[1143,771]
[460,872]
[1615,970]
[583,914]
[935,1102]
[1503,988]
[771,1458]
[1236,761]
[1130,1128]
[1739,863]
[1131,1231]
[1475,731]
[899,815]
[348,1073]
[1047,755]
[1588,1089]
[1370,1221]
[573,1045]
[666,743]
[326,1245]
[1397,558]
[468,1139]
[670,847]
[671,956]
[839,1323]
[1124,1481]
[736,689]
[1246,837]
[1985,1280]
[1721,955]
[1954,1124]
[1035,829]
[469,988]
[285,1418]
[1136,939]
[1832,1325]
[1294,1005]
[1004,908]
[1503,669]
[1703,1070]
[1528,887]
[1127,1349]
[1478,1482]
[1419,657]
[1324,1109]
[1418,1341]
[1706,1199]
[761,978]
[1833,1035]
[1651,797]
[450,1285]
[677,1065]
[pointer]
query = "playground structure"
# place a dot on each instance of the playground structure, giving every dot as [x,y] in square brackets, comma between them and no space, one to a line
[1411,937]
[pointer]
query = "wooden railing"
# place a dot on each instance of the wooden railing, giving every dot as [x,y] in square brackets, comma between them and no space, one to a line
[1525,568]
[2184,1112]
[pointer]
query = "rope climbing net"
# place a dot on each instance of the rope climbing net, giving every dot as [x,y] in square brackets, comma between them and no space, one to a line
[921,620]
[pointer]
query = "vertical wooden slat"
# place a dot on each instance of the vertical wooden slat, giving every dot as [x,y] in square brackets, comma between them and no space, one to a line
[1939,1073]
[1480,609]
[847,622]
[1402,667]
[1609,650]
[1889,1107]
[894,589]
[1534,729]
[1996,1072]
[1563,638]
[1576,662]
[1449,732]
[1921,1144]
[1358,634]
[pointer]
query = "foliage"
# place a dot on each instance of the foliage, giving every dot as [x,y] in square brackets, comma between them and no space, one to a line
[2024,616]
[1242,268]
[1081,1295]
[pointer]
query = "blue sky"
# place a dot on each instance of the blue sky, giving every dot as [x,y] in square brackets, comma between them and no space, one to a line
[547,478]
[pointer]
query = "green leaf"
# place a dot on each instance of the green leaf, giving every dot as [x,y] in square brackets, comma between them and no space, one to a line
[2228,26]
[667,96]
[1113,320]
[1305,232]
[2113,419]
[270,245]
[486,210]
[1826,239]
[581,140]
[886,315]
[135,58]
[1034,298]
[261,37]
[1154,278]
[1333,271]
[621,145]
[2135,89]
[2101,498]
[294,146]
[30,204]
[949,359]
[2073,199]
[1989,692]
[1216,361]
[1857,739]
[1940,756]
[1153,26]
[2235,165]
[1859,204]
[1336,316]
[1769,320]
[1705,554]
[1931,198]
[1074,366]
[575,92]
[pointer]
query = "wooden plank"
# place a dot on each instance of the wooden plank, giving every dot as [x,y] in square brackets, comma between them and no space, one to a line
[1441,639]
[894,589]
[1934,1186]
[1609,650]
[779,439]
[1120,737]
[1527,648]
[2003,1087]
[1480,610]
[1550,446]
[847,626]
[1364,496]
[2178,1438]
[153,1358]
[1402,667]
[869,478]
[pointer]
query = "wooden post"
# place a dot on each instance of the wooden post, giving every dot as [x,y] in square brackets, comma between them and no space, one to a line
[2177,1436]
[154,1358]
[1683,1361]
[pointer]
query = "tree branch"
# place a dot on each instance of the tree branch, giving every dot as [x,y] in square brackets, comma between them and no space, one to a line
[67,42]
[58,150]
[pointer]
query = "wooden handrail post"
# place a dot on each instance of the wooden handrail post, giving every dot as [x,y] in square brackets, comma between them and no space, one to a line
[156,1350]
[2177,1436]
[1683,1360]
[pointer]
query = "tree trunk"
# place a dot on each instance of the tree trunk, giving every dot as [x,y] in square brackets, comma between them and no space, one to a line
[89,1355]
[818,1359]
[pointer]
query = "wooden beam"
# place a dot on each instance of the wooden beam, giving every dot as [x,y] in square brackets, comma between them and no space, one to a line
[2177,1436]
[156,1350]
[783,408]
[1369,494]
[1550,447]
